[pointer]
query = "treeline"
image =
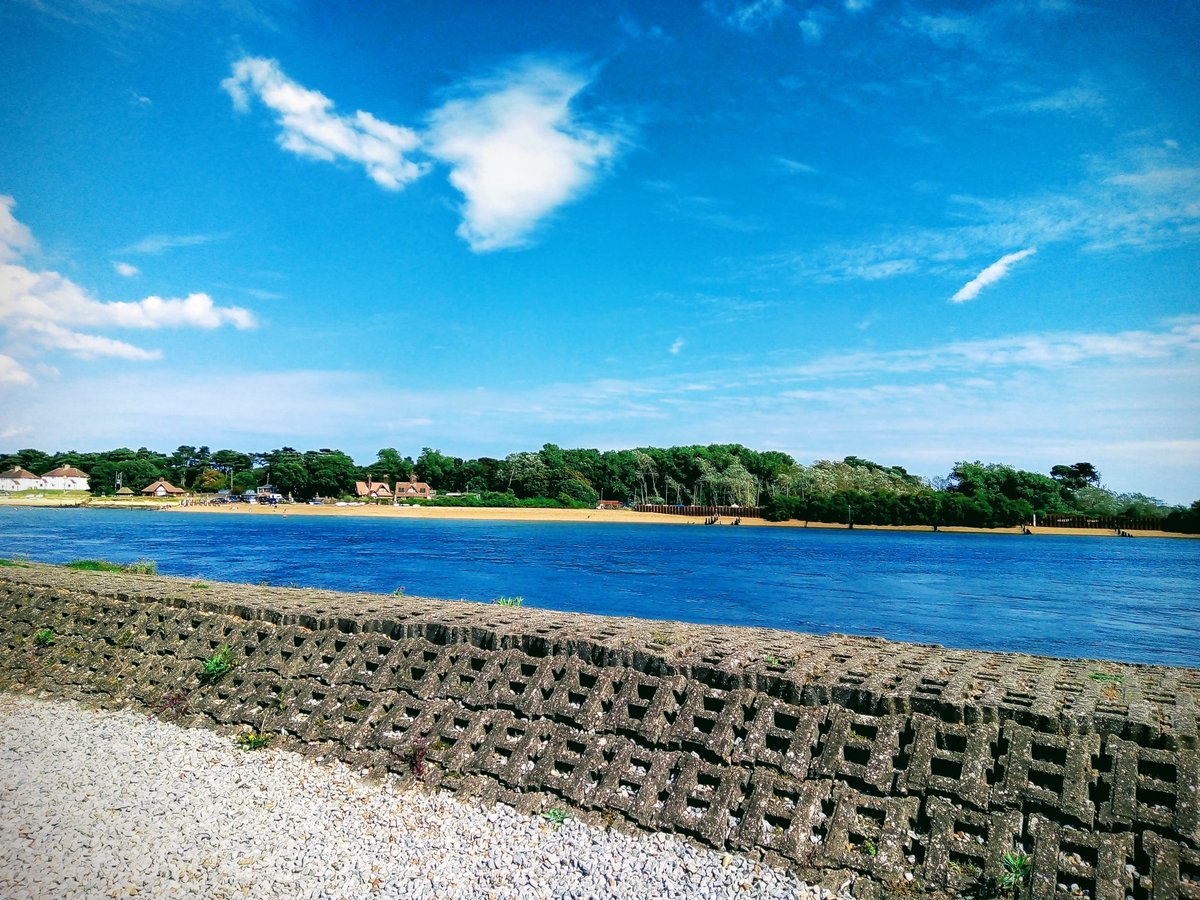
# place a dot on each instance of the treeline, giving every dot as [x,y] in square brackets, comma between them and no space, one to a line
[853,489]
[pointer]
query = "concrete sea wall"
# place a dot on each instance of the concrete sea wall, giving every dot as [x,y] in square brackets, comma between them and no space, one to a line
[912,768]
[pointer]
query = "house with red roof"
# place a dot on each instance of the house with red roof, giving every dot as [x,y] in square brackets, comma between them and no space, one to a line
[372,490]
[66,478]
[414,490]
[18,479]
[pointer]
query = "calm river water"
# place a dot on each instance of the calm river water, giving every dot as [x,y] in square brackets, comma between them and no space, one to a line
[1136,600]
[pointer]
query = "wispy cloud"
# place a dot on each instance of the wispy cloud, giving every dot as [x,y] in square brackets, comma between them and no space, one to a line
[990,275]
[1129,394]
[947,29]
[794,165]
[746,16]
[1149,201]
[126,270]
[516,150]
[676,346]
[310,127]
[44,310]
[154,244]
[1078,98]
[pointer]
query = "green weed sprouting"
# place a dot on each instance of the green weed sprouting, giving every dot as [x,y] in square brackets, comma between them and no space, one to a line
[509,601]
[1107,677]
[217,665]
[253,740]
[1017,869]
[556,816]
[44,638]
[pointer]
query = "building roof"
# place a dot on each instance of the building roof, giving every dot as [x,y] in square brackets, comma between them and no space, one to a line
[366,488]
[125,491]
[66,472]
[18,472]
[413,486]
[166,486]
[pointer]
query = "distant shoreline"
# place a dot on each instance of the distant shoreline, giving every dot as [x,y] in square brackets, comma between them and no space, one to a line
[535,514]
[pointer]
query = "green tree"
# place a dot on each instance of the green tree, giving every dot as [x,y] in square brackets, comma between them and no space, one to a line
[209,481]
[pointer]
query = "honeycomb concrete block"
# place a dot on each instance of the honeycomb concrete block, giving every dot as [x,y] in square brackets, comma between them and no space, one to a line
[909,766]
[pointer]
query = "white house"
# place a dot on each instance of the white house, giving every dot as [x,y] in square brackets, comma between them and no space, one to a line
[65,478]
[18,479]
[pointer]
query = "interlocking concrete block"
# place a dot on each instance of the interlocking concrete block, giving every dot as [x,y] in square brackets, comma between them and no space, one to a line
[1158,789]
[965,846]
[1174,869]
[861,750]
[1101,864]
[911,765]
[870,834]
[1049,771]
[957,761]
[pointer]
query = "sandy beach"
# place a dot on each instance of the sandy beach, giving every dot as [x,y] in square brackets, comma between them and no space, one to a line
[622,516]
[509,514]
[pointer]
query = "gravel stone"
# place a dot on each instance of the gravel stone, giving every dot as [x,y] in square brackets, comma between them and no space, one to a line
[117,804]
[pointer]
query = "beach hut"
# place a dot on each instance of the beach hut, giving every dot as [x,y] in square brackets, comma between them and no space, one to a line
[162,488]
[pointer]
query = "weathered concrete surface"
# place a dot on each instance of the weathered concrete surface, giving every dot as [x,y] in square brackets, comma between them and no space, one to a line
[915,767]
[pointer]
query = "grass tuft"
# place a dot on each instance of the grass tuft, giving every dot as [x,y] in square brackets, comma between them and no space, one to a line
[141,567]
[509,601]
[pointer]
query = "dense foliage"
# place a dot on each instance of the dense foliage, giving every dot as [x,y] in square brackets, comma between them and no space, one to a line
[853,489]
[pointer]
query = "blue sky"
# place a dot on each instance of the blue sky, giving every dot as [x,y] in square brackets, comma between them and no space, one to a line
[912,231]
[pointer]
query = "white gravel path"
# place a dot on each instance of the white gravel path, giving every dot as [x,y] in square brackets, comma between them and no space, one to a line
[116,804]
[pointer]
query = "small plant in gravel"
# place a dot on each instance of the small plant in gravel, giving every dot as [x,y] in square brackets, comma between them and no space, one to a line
[199,586]
[509,601]
[398,592]
[13,564]
[176,702]
[218,665]
[141,567]
[253,740]
[44,638]
[556,816]
[1107,677]
[417,754]
[1017,868]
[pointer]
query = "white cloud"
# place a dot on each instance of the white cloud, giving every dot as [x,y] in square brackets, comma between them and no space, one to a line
[15,238]
[513,145]
[45,310]
[515,151]
[311,128]
[857,6]
[990,275]
[12,372]
[126,270]
[677,345]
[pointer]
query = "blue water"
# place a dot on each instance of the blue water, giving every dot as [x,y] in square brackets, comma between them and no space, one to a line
[1136,600]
